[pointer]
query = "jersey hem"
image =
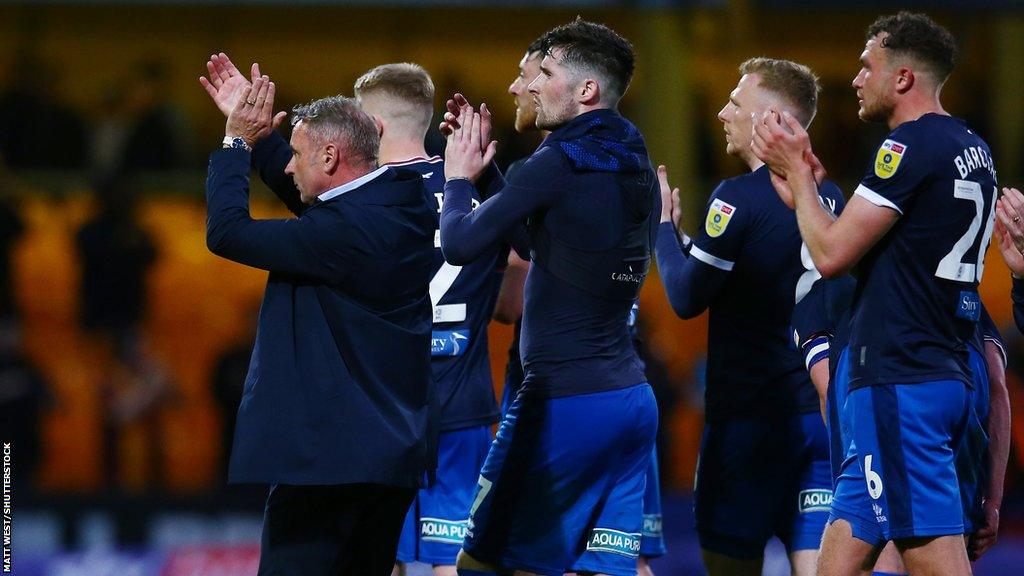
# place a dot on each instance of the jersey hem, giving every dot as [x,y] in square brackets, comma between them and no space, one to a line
[747,413]
[548,392]
[857,382]
[476,422]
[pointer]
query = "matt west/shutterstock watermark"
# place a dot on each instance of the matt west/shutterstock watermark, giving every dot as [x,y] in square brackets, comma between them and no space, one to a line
[7,507]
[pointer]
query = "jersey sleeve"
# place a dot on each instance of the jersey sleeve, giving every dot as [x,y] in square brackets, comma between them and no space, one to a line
[990,332]
[817,315]
[832,197]
[726,219]
[897,169]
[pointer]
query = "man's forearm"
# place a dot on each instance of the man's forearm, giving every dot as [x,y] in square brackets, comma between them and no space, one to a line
[269,158]
[689,285]
[998,425]
[814,222]
[1017,295]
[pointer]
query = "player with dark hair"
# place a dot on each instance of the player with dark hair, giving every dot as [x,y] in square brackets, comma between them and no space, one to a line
[821,329]
[763,468]
[509,307]
[918,226]
[556,492]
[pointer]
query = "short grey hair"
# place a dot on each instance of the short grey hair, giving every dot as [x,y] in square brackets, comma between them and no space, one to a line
[340,120]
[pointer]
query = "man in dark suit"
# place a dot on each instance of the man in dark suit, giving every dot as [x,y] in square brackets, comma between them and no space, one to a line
[336,413]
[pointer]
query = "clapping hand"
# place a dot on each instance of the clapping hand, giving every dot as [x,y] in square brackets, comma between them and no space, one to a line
[1010,229]
[253,118]
[783,144]
[469,150]
[226,87]
[670,203]
[453,112]
[225,83]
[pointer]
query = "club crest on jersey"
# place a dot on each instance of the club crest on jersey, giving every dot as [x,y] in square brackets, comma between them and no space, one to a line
[718,217]
[888,158]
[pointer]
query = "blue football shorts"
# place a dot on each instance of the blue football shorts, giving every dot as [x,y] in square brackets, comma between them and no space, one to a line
[562,488]
[652,540]
[762,477]
[971,460]
[436,523]
[898,478]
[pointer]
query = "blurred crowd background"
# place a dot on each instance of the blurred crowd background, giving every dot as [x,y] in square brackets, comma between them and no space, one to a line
[124,342]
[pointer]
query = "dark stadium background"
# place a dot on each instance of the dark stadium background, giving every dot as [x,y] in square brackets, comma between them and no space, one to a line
[117,427]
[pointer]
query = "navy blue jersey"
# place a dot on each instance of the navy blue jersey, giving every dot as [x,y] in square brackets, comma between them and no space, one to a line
[821,319]
[917,300]
[589,191]
[463,298]
[752,366]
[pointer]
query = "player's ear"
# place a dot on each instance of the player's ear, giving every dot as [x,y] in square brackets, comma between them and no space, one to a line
[590,92]
[905,80]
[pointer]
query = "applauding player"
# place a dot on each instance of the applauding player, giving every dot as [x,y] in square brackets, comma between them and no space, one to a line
[556,492]
[918,224]
[764,456]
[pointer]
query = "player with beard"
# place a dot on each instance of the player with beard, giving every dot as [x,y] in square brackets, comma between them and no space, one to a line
[509,308]
[917,228]
[556,493]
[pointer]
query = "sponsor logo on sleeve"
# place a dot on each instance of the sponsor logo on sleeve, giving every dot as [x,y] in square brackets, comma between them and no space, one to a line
[614,541]
[718,217]
[444,531]
[816,500]
[969,306]
[888,159]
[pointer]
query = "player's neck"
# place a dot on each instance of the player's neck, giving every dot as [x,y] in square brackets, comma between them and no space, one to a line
[392,151]
[911,109]
[752,161]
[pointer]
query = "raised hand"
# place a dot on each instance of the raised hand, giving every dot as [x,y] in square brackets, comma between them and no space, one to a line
[467,154]
[817,168]
[453,111]
[225,83]
[671,210]
[783,189]
[1009,229]
[781,143]
[453,107]
[252,118]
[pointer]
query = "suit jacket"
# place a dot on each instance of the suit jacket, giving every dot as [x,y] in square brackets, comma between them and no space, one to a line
[338,389]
